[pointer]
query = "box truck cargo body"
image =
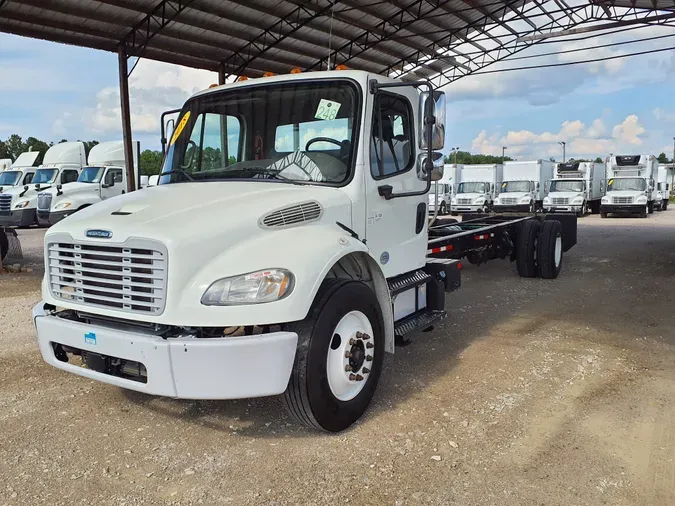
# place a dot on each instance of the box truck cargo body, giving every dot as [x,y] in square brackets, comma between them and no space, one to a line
[524,185]
[576,187]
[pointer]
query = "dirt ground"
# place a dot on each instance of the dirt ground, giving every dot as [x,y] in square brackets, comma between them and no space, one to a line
[531,392]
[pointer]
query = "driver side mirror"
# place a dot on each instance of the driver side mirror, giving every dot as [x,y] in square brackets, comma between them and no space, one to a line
[437,168]
[547,186]
[438,128]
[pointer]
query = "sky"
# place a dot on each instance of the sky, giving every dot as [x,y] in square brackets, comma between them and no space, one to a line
[53,91]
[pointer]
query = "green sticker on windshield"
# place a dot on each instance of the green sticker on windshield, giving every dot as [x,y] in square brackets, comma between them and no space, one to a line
[610,182]
[503,185]
[327,109]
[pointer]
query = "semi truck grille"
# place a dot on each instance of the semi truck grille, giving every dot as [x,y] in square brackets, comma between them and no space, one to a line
[5,202]
[464,202]
[622,200]
[44,201]
[130,277]
[508,201]
[560,201]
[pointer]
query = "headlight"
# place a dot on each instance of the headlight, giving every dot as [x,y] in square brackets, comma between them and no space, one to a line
[22,204]
[578,200]
[479,200]
[454,201]
[62,205]
[641,200]
[525,200]
[604,200]
[547,200]
[253,288]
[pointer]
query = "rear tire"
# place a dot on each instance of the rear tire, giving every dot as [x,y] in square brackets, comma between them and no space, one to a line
[526,248]
[4,244]
[549,250]
[320,393]
[650,207]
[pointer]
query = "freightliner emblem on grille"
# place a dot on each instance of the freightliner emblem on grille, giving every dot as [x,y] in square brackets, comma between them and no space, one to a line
[99,234]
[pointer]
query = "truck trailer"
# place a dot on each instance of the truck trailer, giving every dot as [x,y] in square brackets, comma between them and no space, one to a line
[287,268]
[630,185]
[524,186]
[576,187]
[476,189]
[663,182]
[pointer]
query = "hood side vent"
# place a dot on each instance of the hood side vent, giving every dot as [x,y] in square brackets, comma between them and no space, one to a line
[292,215]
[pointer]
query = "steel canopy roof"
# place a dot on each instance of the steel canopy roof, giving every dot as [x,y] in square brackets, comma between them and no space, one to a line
[441,40]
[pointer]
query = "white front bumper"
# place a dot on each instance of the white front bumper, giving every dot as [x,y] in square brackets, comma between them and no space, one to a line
[185,368]
[461,208]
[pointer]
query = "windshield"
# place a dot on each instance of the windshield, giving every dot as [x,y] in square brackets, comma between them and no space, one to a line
[43,176]
[90,175]
[300,132]
[516,186]
[627,183]
[567,186]
[471,188]
[9,178]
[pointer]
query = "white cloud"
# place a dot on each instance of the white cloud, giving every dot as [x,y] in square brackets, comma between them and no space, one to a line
[581,142]
[661,115]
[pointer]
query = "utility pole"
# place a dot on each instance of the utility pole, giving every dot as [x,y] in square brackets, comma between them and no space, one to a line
[503,149]
[562,143]
[455,151]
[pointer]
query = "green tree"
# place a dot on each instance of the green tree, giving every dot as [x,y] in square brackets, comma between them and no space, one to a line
[151,162]
[598,160]
[15,145]
[466,158]
[662,158]
[34,144]
[4,152]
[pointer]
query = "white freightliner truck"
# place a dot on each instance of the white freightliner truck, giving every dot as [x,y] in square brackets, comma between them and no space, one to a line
[476,189]
[630,185]
[524,186]
[663,181]
[442,191]
[576,187]
[285,250]
[61,165]
[19,175]
[104,177]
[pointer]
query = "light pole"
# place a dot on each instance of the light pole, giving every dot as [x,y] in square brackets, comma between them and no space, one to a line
[562,143]
[454,150]
[503,149]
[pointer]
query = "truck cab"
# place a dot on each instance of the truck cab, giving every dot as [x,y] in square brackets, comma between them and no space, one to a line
[104,177]
[524,185]
[61,165]
[630,185]
[17,176]
[476,189]
[577,187]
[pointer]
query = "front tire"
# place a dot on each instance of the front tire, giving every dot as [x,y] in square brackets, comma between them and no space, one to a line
[339,357]
[550,249]
[443,210]
[526,248]
[643,213]
[650,207]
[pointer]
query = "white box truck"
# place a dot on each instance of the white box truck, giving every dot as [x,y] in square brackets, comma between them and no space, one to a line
[104,177]
[286,268]
[630,185]
[442,191]
[476,189]
[61,165]
[577,187]
[524,186]
[663,182]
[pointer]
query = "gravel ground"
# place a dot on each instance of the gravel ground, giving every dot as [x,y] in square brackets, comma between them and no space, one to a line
[531,392]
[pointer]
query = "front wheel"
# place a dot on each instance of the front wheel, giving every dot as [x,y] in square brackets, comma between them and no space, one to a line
[532,207]
[443,210]
[339,357]
[644,212]
[650,207]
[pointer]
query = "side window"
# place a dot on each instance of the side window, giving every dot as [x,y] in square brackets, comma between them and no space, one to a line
[113,176]
[69,176]
[447,188]
[392,147]
[214,142]
[28,178]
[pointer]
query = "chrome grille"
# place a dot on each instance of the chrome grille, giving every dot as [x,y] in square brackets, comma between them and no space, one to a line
[5,202]
[622,200]
[508,201]
[44,201]
[307,211]
[560,201]
[130,277]
[464,202]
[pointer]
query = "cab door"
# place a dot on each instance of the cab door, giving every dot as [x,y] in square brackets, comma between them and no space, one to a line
[396,228]
[112,183]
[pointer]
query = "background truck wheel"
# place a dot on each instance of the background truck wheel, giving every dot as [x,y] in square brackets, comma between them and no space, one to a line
[526,248]
[339,357]
[650,207]
[603,214]
[453,213]
[550,249]
[4,245]
[643,213]
[442,211]
[532,207]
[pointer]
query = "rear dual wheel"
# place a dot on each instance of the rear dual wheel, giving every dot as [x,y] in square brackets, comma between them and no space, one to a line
[539,249]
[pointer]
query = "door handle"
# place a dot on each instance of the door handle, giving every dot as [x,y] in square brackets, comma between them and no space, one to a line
[385,191]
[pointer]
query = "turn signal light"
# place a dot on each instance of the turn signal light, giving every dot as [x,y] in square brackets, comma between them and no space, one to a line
[213,86]
[341,67]
[242,78]
[296,70]
[268,74]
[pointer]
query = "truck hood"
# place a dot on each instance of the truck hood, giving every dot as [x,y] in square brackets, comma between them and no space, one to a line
[72,188]
[514,195]
[626,193]
[472,196]
[15,191]
[201,214]
[565,195]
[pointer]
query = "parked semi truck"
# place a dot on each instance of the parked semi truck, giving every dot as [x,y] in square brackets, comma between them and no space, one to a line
[630,185]
[576,187]
[524,185]
[104,177]
[61,165]
[288,267]
[476,189]
[663,182]
[19,173]
[442,191]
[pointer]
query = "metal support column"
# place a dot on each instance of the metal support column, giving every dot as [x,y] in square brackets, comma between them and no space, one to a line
[126,118]
[221,74]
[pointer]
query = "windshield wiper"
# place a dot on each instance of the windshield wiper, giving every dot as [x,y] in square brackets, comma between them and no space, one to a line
[178,171]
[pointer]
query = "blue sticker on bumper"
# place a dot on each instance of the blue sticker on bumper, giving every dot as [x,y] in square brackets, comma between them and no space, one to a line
[90,338]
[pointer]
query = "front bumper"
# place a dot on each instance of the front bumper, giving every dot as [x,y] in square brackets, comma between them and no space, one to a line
[622,208]
[17,218]
[517,208]
[183,367]
[48,219]
[467,209]
[552,209]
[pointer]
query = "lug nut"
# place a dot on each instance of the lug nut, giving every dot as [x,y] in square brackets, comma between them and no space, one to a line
[365,370]
[348,368]
[370,345]
[348,354]
[352,377]
[352,341]
[359,377]
[365,337]
[369,358]
[359,335]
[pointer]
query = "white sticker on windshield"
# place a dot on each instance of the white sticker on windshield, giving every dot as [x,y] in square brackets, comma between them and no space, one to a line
[327,109]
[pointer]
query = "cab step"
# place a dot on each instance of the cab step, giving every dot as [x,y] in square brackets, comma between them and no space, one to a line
[406,281]
[418,321]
